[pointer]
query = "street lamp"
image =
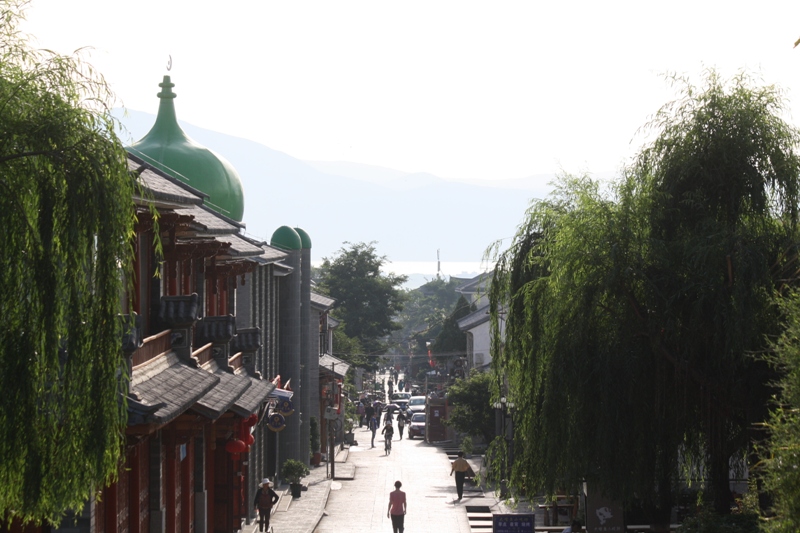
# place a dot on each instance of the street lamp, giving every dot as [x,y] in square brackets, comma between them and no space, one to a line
[504,426]
[334,396]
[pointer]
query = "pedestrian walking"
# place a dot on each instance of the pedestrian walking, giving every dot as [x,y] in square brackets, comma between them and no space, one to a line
[369,410]
[401,423]
[361,410]
[460,466]
[265,499]
[373,427]
[388,419]
[397,508]
[576,527]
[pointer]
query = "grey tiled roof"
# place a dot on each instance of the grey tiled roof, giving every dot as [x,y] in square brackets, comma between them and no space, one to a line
[242,247]
[272,255]
[163,388]
[282,269]
[339,366]
[162,187]
[476,318]
[321,302]
[253,397]
[209,222]
[222,397]
[479,283]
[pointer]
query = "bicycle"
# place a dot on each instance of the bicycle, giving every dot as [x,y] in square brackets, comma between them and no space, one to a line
[388,445]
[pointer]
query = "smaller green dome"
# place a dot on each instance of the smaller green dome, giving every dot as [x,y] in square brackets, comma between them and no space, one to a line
[304,238]
[287,239]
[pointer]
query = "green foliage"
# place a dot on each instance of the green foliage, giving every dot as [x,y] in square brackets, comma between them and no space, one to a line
[313,426]
[67,219]
[424,313]
[708,521]
[367,299]
[471,405]
[781,453]
[293,470]
[630,314]
[349,349]
[466,445]
[451,340]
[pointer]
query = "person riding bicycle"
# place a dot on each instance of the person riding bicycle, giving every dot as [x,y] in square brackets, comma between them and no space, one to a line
[388,433]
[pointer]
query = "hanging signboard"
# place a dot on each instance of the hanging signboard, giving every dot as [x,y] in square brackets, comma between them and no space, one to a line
[513,523]
[285,407]
[276,422]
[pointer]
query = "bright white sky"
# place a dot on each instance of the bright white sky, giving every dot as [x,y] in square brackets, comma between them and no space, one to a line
[460,89]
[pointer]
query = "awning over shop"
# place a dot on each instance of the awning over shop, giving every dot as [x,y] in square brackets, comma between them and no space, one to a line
[282,394]
[334,365]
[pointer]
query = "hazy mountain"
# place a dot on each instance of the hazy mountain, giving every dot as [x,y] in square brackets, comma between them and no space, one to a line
[409,215]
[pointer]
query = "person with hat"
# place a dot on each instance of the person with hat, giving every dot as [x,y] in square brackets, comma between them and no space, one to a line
[460,466]
[265,499]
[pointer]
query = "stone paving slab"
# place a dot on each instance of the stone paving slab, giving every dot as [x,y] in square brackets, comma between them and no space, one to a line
[345,471]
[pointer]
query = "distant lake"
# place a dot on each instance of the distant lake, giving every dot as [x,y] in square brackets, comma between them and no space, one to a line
[421,272]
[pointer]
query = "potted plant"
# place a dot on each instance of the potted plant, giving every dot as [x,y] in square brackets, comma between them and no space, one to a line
[316,456]
[349,438]
[293,471]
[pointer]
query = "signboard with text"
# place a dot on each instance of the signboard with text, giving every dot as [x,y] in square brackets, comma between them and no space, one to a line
[603,515]
[513,523]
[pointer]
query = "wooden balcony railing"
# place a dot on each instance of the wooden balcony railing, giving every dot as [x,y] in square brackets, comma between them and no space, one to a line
[204,354]
[152,347]
[236,362]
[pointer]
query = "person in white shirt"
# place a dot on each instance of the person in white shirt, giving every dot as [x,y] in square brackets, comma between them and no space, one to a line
[576,527]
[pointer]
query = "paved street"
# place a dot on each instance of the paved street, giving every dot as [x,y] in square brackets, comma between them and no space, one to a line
[359,505]
[357,500]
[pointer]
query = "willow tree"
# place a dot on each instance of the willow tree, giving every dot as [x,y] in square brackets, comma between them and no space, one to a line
[67,219]
[781,461]
[631,314]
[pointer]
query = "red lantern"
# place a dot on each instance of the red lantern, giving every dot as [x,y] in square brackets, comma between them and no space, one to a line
[251,420]
[249,439]
[235,446]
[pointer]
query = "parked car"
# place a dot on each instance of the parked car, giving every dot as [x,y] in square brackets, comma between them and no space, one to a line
[416,404]
[417,426]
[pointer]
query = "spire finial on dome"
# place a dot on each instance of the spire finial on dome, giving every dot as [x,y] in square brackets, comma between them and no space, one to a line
[166,88]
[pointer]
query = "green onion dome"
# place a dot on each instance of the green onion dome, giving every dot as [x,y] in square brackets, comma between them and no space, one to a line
[286,238]
[168,148]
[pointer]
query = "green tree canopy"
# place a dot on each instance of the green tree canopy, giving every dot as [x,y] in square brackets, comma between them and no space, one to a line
[425,310]
[67,216]
[367,299]
[631,313]
[471,401]
[451,340]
